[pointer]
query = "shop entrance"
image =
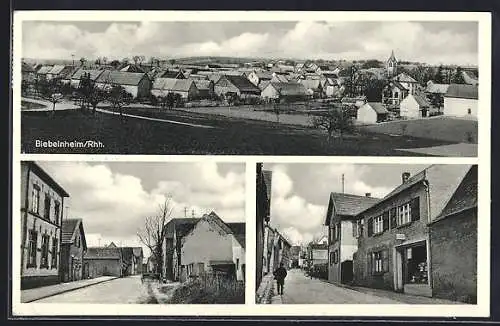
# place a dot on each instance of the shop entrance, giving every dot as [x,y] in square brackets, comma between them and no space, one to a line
[413,273]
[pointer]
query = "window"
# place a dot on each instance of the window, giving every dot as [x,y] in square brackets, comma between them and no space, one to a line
[46,207]
[336,257]
[53,263]
[404,212]
[393,217]
[44,260]
[331,257]
[378,224]
[35,199]
[237,263]
[469,111]
[378,262]
[77,242]
[32,240]
[57,211]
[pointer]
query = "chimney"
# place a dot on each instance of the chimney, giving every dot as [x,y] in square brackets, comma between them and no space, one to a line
[405,176]
[368,194]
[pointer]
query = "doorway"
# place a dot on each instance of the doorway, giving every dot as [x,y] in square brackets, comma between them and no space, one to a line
[412,273]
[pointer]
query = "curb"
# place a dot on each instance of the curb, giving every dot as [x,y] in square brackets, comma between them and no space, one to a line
[69,290]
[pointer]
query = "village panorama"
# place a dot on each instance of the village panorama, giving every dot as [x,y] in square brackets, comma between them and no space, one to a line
[115,233]
[390,104]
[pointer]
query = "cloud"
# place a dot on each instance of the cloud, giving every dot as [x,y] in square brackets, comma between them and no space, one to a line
[431,42]
[113,205]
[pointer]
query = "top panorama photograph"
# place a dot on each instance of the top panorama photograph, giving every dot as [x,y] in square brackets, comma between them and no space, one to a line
[317,88]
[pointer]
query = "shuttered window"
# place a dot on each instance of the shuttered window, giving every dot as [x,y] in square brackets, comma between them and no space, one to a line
[393,217]
[370,227]
[385,218]
[415,209]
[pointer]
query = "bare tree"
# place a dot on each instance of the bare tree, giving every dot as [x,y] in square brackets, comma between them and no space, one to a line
[118,97]
[55,98]
[90,92]
[152,233]
[334,120]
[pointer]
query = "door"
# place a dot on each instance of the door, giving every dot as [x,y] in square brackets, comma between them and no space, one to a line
[346,270]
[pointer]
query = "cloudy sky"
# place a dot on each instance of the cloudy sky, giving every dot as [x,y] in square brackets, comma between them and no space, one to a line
[114,198]
[430,42]
[300,192]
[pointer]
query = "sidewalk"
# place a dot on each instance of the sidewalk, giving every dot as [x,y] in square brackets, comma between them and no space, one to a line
[398,296]
[30,295]
[265,290]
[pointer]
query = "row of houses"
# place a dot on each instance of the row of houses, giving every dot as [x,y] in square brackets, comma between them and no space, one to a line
[54,248]
[194,247]
[420,239]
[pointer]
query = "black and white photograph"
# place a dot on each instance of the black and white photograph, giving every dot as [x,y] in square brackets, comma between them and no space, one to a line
[132,233]
[366,234]
[357,88]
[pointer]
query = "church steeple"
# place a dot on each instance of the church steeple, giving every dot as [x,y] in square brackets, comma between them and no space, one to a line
[392,64]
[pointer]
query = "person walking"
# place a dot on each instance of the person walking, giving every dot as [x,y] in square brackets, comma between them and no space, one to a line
[280,275]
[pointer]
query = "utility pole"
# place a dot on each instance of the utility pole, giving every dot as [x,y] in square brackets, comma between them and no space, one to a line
[343,183]
[73,59]
[192,213]
[66,210]
[185,211]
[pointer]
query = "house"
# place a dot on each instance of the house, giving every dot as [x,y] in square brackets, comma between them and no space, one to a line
[295,256]
[237,85]
[42,202]
[205,88]
[286,92]
[279,78]
[391,65]
[372,112]
[239,245]
[42,72]
[453,244]
[103,261]
[313,87]
[469,78]
[77,76]
[394,240]
[186,88]
[317,252]
[461,100]
[137,84]
[414,106]
[393,93]
[408,82]
[73,249]
[209,248]
[435,88]
[263,213]
[256,77]
[28,73]
[175,230]
[131,260]
[58,72]
[342,222]
[175,74]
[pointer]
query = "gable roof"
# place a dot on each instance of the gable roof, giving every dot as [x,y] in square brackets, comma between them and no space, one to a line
[421,101]
[214,218]
[465,197]
[242,83]
[239,233]
[203,84]
[348,205]
[279,78]
[180,225]
[405,78]
[442,181]
[132,68]
[378,107]
[103,253]
[44,70]
[121,77]
[37,169]
[173,84]
[94,73]
[462,91]
[172,74]
[437,88]
[70,227]
[57,69]
[290,89]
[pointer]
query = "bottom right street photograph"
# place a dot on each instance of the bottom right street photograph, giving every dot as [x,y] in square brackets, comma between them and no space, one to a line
[366,233]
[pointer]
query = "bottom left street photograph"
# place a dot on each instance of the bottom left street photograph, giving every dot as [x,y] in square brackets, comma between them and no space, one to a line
[131,232]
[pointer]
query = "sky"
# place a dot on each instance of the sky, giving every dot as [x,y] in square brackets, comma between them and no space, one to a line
[432,42]
[114,198]
[301,191]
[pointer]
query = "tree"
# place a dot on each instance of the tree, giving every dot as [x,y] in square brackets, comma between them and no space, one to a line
[336,119]
[458,77]
[118,97]
[152,234]
[115,64]
[82,61]
[438,77]
[55,98]
[177,100]
[91,93]
[372,88]
[104,60]
[371,64]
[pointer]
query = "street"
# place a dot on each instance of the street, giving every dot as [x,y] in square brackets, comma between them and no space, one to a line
[299,289]
[120,290]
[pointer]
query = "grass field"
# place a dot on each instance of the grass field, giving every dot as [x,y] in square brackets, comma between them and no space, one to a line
[440,128]
[26,105]
[229,136]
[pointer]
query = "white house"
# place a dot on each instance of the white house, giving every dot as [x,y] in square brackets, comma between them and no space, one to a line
[137,84]
[407,81]
[371,112]
[461,101]
[414,106]
[213,246]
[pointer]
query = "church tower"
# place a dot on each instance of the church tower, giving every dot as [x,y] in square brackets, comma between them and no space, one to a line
[392,65]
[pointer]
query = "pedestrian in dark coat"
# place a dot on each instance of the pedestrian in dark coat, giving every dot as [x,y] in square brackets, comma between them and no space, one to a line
[280,275]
